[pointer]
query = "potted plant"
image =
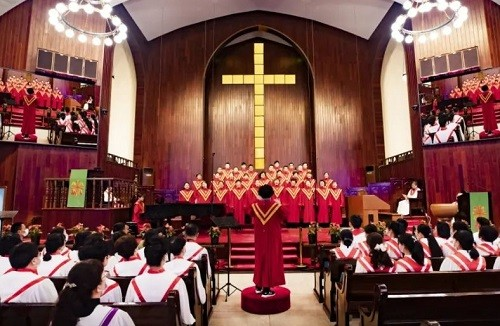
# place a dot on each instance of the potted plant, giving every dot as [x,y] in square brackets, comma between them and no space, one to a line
[101,229]
[312,232]
[214,233]
[334,232]
[381,227]
[169,231]
[35,233]
[6,229]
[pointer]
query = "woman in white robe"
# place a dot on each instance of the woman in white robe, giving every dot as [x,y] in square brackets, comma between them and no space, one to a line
[404,205]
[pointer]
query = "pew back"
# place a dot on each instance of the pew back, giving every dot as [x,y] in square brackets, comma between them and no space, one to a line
[22,314]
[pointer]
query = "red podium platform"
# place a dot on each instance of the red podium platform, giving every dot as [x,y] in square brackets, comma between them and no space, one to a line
[31,139]
[255,304]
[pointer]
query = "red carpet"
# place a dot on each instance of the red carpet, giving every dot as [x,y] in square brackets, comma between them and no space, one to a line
[255,304]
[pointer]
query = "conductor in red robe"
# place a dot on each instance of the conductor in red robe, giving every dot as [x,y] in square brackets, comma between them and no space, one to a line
[29,114]
[268,216]
[487,101]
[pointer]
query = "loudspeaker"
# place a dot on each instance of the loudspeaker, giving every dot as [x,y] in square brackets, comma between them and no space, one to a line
[370,174]
[148,177]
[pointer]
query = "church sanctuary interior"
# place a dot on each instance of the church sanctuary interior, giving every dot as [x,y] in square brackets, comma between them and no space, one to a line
[167,162]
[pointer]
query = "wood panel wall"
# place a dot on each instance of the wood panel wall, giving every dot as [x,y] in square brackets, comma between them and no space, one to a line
[24,167]
[173,109]
[43,35]
[472,33]
[230,112]
[478,162]
[492,11]
[14,31]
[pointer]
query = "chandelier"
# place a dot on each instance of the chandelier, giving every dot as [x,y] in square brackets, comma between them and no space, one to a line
[116,30]
[454,13]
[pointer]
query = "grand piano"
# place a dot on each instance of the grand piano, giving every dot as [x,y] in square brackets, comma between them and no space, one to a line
[157,214]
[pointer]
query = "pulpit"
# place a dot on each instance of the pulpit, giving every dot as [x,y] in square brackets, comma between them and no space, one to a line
[366,206]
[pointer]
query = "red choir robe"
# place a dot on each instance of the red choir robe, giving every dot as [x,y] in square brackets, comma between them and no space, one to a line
[324,202]
[203,196]
[230,183]
[29,115]
[278,192]
[337,204]
[187,196]
[261,182]
[218,184]
[487,101]
[221,197]
[197,184]
[291,201]
[139,209]
[267,217]
[306,201]
[271,175]
[253,176]
[311,180]
[328,182]
[253,195]
[239,203]
[226,173]
[247,183]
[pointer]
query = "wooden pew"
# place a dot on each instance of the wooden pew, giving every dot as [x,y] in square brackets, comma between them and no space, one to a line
[461,308]
[355,290]
[123,283]
[207,284]
[23,314]
[319,274]
[58,282]
[332,276]
[154,313]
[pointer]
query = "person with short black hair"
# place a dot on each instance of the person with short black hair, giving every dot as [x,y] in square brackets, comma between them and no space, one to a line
[363,246]
[19,229]
[348,248]
[393,231]
[155,284]
[79,301]
[120,227]
[98,249]
[7,242]
[466,257]
[355,222]
[22,284]
[378,261]
[180,266]
[193,251]
[413,256]
[429,244]
[130,263]
[148,236]
[267,216]
[61,230]
[480,222]
[53,262]
[80,238]
[488,234]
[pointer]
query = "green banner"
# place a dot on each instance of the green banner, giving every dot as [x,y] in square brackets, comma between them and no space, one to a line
[479,207]
[77,187]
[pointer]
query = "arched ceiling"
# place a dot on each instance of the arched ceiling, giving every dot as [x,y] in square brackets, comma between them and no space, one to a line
[158,17]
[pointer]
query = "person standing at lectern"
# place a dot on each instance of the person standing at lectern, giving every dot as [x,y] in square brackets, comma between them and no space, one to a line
[29,113]
[268,216]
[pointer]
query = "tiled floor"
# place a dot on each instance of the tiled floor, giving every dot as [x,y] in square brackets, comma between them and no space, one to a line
[305,308]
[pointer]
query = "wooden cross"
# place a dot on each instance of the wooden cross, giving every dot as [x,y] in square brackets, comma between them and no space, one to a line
[258,79]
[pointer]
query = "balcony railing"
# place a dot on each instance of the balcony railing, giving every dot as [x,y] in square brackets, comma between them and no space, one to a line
[120,160]
[100,193]
[397,158]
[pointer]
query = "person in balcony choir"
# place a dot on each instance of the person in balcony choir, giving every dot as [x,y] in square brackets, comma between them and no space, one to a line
[22,284]
[446,132]
[378,261]
[79,301]
[348,248]
[429,244]
[54,263]
[413,256]
[466,257]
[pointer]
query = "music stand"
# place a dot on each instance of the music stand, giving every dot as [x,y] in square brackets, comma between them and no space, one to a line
[227,222]
[6,215]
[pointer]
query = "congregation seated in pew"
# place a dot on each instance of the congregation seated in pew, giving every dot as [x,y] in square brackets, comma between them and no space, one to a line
[79,301]
[54,263]
[130,263]
[413,259]
[193,250]
[348,248]
[7,242]
[466,257]
[429,243]
[378,261]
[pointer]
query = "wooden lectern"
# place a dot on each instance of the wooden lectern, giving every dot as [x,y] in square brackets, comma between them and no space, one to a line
[366,206]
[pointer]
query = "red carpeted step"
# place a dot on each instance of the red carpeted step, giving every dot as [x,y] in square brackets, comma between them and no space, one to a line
[255,304]
[239,259]
[250,267]
[251,250]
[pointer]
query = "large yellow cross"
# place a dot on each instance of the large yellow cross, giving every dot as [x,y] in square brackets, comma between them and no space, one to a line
[258,79]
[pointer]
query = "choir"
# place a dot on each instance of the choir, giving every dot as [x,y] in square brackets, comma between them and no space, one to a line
[303,198]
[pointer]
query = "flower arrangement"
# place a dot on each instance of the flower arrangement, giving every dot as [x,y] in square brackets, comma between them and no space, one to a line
[101,229]
[6,229]
[381,226]
[77,229]
[214,232]
[169,231]
[313,228]
[334,229]
[34,230]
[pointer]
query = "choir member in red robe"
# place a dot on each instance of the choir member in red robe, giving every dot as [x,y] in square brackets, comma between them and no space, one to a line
[277,165]
[324,202]
[252,173]
[187,194]
[309,177]
[239,202]
[246,182]
[328,181]
[253,195]
[306,201]
[267,217]
[286,174]
[236,173]
[291,201]
[217,182]
[221,173]
[263,180]
[203,195]
[487,102]
[243,168]
[197,182]
[139,209]
[227,170]
[337,203]
[271,172]
[29,114]
[298,178]
[221,197]
[278,190]
[291,167]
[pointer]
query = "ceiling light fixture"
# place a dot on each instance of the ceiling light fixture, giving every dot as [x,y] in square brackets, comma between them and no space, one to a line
[454,12]
[117,29]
